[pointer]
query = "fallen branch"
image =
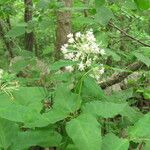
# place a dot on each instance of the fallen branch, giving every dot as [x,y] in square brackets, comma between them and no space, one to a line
[129,36]
[117,78]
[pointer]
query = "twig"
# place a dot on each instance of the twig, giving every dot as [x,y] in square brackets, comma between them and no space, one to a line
[129,36]
[117,78]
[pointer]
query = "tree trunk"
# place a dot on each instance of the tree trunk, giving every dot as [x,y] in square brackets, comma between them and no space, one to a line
[29,37]
[7,41]
[63,27]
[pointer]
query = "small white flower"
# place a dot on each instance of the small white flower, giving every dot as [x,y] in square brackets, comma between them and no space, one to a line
[85,48]
[64,49]
[101,71]
[69,68]
[81,66]
[1,73]
[71,40]
[97,77]
[95,57]
[69,56]
[102,52]
[70,35]
[78,35]
[88,62]
[66,45]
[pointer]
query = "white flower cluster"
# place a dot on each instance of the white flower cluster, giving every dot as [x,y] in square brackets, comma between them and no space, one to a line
[7,86]
[83,49]
[1,73]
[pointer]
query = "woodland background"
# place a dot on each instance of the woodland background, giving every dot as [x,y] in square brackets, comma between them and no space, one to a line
[31,35]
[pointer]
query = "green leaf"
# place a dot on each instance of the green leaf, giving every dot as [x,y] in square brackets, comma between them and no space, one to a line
[71,147]
[99,3]
[8,131]
[94,90]
[30,96]
[131,113]
[121,96]
[19,65]
[141,128]
[143,58]
[147,145]
[85,132]
[103,15]
[66,100]
[112,142]
[16,31]
[30,116]
[114,55]
[62,63]
[143,4]
[99,108]
[43,138]
[146,94]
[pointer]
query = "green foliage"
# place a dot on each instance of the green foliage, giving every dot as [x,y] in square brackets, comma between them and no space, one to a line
[145,4]
[41,104]
[6,135]
[103,15]
[101,108]
[85,131]
[33,138]
[111,141]
[140,128]
[16,31]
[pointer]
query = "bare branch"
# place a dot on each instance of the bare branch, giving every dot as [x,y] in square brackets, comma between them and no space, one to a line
[129,36]
[116,78]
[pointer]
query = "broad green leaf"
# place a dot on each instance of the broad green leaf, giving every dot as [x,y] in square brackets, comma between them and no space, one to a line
[142,58]
[130,5]
[30,96]
[44,138]
[66,100]
[114,55]
[61,63]
[19,65]
[145,51]
[99,3]
[112,142]
[141,128]
[94,90]
[71,147]
[100,108]
[131,113]
[19,113]
[8,131]
[143,4]
[103,15]
[16,31]
[146,94]
[85,132]
[147,145]
[121,96]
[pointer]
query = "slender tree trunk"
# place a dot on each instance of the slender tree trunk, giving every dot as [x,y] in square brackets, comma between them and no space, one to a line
[29,37]
[86,2]
[63,27]
[7,41]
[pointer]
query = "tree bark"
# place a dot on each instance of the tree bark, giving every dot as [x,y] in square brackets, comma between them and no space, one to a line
[29,37]
[117,78]
[7,41]
[63,27]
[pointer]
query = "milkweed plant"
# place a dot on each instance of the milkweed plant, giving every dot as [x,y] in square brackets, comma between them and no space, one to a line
[84,49]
